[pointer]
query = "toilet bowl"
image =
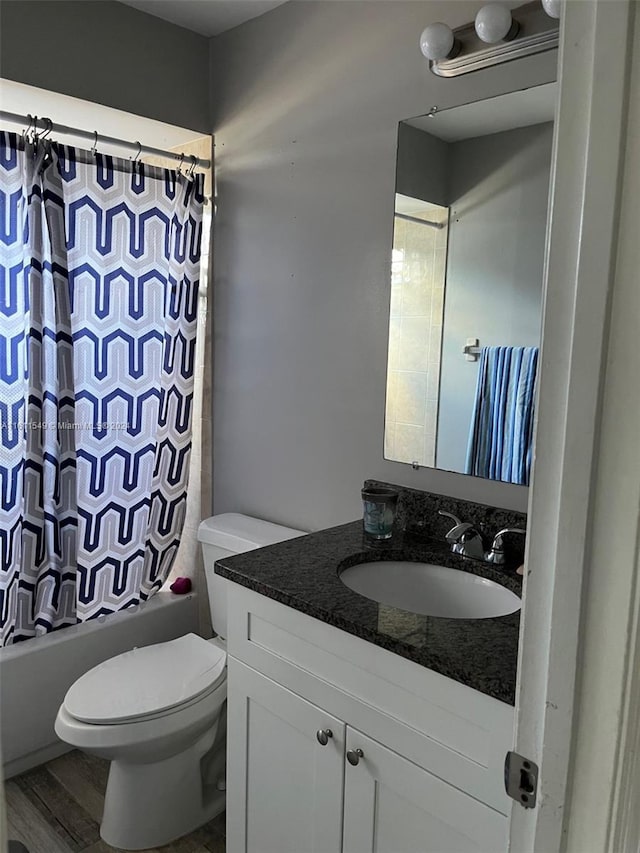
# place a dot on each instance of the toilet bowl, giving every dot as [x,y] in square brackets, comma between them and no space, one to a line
[155,713]
[158,713]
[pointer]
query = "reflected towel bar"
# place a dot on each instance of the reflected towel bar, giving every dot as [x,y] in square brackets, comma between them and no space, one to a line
[472,349]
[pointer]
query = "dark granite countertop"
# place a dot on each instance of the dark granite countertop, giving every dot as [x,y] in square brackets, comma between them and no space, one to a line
[303,574]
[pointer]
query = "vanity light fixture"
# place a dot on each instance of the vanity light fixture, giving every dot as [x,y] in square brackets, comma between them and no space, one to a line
[552,7]
[437,42]
[494,37]
[495,23]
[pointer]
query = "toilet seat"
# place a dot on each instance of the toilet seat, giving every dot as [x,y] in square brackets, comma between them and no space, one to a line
[160,735]
[147,683]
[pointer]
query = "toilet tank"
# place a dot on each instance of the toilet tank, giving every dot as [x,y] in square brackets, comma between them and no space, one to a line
[227,534]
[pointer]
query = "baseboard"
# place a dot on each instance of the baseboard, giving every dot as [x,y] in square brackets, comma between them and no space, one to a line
[35,759]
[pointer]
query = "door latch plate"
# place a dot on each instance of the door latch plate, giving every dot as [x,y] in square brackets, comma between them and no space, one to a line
[521,779]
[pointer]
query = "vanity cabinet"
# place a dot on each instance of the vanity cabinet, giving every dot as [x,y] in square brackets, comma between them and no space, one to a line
[284,791]
[338,746]
[391,804]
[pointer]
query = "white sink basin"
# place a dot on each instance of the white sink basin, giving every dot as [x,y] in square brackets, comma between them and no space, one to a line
[430,590]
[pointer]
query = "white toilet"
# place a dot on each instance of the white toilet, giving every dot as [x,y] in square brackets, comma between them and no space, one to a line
[158,713]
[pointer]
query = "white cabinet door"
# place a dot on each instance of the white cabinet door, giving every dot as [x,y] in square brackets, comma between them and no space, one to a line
[393,806]
[284,787]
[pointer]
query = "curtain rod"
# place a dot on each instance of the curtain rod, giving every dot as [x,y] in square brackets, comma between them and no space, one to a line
[97,138]
[419,221]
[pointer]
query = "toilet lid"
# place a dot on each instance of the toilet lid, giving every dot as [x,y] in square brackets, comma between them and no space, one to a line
[146,681]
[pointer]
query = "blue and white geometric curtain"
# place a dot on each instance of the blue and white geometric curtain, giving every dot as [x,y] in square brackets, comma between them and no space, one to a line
[99,278]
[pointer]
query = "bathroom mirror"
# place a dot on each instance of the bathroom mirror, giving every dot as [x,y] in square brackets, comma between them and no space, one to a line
[471,201]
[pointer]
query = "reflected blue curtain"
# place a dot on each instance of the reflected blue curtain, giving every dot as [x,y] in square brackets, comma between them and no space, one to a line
[99,278]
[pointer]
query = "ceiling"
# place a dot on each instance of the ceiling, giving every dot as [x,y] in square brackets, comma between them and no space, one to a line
[207,17]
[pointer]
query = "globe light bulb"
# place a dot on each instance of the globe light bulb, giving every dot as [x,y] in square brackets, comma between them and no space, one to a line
[552,7]
[494,23]
[437,41]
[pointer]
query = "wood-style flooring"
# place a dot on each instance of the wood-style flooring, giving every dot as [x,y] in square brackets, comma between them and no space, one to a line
[57,808]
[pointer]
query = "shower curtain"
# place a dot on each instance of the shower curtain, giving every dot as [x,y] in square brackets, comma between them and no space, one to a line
[99,278]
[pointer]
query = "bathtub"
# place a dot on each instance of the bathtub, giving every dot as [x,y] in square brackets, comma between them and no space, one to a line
[35,674]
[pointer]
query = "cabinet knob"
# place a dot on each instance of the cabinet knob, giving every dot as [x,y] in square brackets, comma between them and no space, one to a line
[323,736]
[354,756]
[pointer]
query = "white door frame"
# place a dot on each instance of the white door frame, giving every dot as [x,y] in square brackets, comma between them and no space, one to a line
[569,521]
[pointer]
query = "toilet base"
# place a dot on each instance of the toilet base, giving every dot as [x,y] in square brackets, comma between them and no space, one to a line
[148,805]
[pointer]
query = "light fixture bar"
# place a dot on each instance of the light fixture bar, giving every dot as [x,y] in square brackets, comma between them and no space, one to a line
[538,33]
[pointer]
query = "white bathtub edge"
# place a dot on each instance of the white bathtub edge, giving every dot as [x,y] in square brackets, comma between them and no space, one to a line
[36,674]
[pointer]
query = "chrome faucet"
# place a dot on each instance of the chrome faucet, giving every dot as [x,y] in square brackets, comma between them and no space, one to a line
[464,538]
[467,541]
[496,554]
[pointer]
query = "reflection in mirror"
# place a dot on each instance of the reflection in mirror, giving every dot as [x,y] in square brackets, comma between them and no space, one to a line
[466,285]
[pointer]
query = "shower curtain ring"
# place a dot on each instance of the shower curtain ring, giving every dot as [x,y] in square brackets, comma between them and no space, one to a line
[179,169]
[94,147]
[137,157]
[25,132]
[48,128]
[192,167]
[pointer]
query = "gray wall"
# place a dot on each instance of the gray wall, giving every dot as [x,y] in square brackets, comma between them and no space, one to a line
[499,196]
[110,54]
[306,105]
[422,169]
